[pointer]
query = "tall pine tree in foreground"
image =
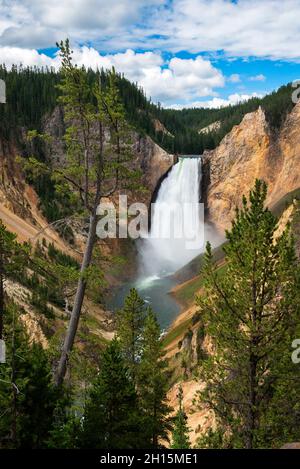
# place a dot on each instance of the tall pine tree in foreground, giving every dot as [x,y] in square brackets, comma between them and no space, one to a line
[180,434]
[250,314]
[111,419]
[153,384]
[130,323]
[139,337]
[96,164]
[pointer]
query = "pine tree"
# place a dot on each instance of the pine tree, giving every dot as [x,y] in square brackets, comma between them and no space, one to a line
[249,314]
[130,323]
[13,259]
[66,429]
[111,418]
[152,384]
[93,170]
[38,400]
[28,397]
[180,434]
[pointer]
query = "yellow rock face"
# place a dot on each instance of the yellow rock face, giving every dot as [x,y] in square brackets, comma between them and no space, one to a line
[248,152]
[198,421]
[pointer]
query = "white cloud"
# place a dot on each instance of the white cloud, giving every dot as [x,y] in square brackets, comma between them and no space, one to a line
[16,56]
[244,28]
[185,78]
[40,23]
[219,102]
[259,77]
[234,78]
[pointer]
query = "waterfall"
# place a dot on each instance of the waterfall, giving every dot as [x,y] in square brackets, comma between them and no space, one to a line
[176,234]
[176,218]
[163,252]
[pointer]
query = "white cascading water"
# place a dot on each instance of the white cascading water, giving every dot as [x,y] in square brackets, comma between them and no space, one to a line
[176,234]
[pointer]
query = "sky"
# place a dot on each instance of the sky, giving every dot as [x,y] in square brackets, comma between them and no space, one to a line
[184,53]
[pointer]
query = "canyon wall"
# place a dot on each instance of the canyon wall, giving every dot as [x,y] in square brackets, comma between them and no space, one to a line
[251,150]
[147,156]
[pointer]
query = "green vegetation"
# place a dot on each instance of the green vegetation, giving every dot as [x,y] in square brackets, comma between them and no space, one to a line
[32,93]
[176,332]
[126,405]
[94,168]
[122,407]
[153,384]
[130,323]
[139,336]
[251,383]
[111,417]
[28,398]
[13,257]
[251,316]
[186,293]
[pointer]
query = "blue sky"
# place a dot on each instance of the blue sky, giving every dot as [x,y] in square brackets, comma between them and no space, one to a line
[182,52]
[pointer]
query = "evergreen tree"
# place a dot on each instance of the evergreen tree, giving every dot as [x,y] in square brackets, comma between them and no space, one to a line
[28,397]
[180,434]
[93,170]
[38,400]
[250,315]
[152,384]
[130,323]
[111,418]
[13,258]
[66,429]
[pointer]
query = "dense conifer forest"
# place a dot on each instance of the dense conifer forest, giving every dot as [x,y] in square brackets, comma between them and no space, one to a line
[32,93]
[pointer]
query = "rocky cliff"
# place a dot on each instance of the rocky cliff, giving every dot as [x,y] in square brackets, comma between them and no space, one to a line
[251,150]
[148,157]
[152,160]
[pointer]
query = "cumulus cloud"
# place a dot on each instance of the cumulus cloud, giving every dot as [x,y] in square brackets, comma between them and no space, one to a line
[40,23]
[179,78]
[17,56]
[186,79]
[242,28]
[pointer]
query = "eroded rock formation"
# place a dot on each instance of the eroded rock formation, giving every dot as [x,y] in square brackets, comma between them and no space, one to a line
[149,157]
[251,150]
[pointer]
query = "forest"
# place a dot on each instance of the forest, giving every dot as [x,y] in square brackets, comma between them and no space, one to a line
[32,93]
